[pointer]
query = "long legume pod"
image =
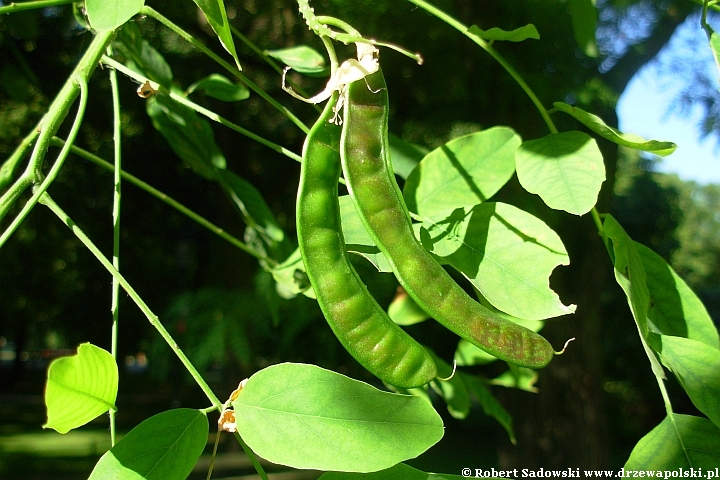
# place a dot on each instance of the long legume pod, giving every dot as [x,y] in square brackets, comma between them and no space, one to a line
[355,317]
[377,197]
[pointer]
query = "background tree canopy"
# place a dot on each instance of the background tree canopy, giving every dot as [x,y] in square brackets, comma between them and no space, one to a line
[594,403]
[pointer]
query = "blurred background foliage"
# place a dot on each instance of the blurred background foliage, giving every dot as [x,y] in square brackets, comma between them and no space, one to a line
[594,403]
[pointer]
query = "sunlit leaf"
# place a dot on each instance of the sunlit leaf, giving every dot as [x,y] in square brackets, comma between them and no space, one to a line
[565,169]
[216,15]
[301,58]
[697,368]
[597,125]
[306,417]
[506,253]
[220,87]
[715,47]
[584,17]
[80,388]
[403,310]
[163,447]
[517,35]
[674,309]
[108,15]
[463,172]
[680,441]
[518,377]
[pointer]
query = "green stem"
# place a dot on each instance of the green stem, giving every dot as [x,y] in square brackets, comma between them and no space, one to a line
[10,165]
[203,111]
[154,321]
[166,199]
[19,7]
[115,304]
[52,175]
[493,53]
[233,70]
[58,110]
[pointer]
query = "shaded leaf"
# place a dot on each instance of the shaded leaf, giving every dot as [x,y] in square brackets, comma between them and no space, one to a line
[596,124]
[291,277]
[302,59]
[490,405]
[80,388]
[403,310]
[453,390]
[630,275]
[506,253]
[255,211]
[463,172]
[220,87]
[679,441]
[189,135]
[517,35]
[306,417]
[357,239]
[108,15]
[397,472]
[565,169]
[674,309]
[163,447]
[404,155]
[584,18]
[517,377]
[697,368]
[141,57]
[214,11]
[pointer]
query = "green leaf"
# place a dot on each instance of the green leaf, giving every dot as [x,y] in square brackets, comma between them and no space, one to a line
[453,391]
[108,15]
[565,169]
[404,155]
[163,447]
[214,11]
[680,441]
[506,253]
[674,309]
[463,172]
[306,417]
[584,19]
[490,405]
[301,58]
[255,211]
[141,57]
[189,135]
[518,377]
[291,277]
[357,239]
[630,275]
[80,388]
[398,472]
[697,368]
[220,87]
[715,47]
[596,124]
[517,35]
[403,310]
